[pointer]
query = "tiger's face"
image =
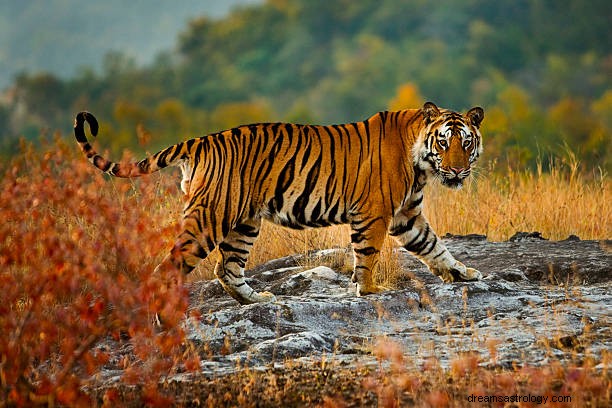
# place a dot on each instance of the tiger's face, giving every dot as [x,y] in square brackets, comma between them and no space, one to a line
[449,144]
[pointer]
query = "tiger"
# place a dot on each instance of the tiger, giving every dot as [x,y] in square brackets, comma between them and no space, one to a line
[367,174]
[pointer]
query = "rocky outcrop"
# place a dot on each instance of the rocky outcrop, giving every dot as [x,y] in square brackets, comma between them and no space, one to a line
[539,300]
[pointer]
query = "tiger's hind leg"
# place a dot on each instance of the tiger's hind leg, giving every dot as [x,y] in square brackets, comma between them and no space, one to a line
[191,246]
[234,252]
[182,259]
[184,256]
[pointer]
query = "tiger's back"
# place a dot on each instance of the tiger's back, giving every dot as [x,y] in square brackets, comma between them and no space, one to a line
[367,174]
[299,175]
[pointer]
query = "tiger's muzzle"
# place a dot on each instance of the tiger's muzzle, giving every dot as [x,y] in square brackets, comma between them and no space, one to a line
[455,164]
[453,176]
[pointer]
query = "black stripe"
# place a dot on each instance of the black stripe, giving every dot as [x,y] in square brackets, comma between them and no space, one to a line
[79,133]
[246,230]
[177,150]
[191,142]
[224,246]
[408,245]
[415,203]
[225,222]
[302,201]
[440,254]
[316,211]
[331,216]
[357,237]
[101,163]
[380,158]
[237,260]
[200,253]
[285,178]
[364,227]
[425,252]
[403,228]
[198,153]
[161,157]
[114,169]
[306,156]
[417,247]
[257,152]
[367,251]
[144,165]
[79,129]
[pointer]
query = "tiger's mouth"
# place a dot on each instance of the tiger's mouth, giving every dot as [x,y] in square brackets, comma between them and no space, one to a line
[453,178]
[455,182]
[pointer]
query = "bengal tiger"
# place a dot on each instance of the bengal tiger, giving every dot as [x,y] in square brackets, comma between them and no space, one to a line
[367,174]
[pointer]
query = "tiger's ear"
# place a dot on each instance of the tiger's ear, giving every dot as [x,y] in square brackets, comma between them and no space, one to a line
[430,112]
[475,115]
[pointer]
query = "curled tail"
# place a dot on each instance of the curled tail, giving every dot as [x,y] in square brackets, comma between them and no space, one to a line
[170,156]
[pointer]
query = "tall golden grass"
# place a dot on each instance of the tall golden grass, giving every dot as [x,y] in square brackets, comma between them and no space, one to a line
[560,202]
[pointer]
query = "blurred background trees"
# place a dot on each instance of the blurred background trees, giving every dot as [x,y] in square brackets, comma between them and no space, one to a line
[542,69]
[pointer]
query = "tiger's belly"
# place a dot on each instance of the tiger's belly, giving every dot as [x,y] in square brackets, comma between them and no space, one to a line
[300,214]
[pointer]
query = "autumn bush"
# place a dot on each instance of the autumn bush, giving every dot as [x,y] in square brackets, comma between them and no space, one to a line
[76,256]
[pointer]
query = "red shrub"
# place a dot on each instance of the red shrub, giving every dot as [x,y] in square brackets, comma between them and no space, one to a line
[77,251]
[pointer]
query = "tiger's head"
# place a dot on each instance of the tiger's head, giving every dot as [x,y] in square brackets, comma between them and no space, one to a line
[449,144]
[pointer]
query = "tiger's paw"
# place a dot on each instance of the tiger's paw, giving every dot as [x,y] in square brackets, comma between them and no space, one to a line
[363,290]
[258,297]
[459,273]
[473,274]
[266,297]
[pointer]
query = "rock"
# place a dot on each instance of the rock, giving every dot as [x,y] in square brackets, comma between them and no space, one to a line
[536,300]
[540,300]
[572,237]
[523,236]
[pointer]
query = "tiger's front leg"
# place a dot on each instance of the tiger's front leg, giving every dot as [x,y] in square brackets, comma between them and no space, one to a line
[412,230]
[367,238]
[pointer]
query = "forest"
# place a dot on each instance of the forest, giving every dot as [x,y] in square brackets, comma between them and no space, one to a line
[542,70]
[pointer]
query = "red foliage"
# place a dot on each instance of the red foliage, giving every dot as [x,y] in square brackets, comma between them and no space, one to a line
[77,251]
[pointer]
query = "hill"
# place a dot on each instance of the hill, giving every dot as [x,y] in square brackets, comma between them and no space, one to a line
[63,36]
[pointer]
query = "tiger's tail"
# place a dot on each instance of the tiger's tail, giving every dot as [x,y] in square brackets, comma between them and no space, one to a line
[168,157]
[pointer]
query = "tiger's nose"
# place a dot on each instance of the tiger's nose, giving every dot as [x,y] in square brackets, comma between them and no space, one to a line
[457,170]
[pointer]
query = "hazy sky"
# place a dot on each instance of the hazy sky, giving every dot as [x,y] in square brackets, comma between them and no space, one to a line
[61,36]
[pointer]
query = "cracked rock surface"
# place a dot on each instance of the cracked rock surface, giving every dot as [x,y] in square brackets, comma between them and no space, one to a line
[539,300]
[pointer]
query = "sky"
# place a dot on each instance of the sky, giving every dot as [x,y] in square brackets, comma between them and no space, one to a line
[63,36]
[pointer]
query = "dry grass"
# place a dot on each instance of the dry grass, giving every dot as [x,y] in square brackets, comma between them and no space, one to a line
[558,203]
[387,376]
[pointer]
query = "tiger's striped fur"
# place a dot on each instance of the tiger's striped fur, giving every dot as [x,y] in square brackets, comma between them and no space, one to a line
[367,174]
